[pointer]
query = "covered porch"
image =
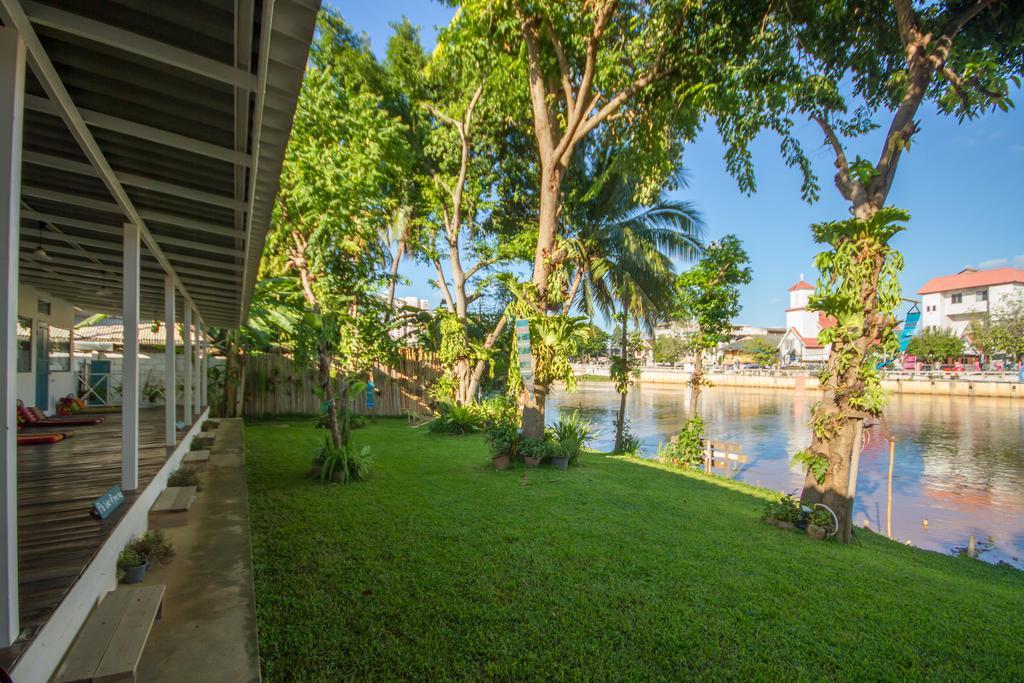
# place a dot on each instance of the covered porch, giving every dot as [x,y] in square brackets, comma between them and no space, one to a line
[140,148]
[57,484]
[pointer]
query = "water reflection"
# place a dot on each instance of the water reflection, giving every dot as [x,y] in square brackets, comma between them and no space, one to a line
[959,461]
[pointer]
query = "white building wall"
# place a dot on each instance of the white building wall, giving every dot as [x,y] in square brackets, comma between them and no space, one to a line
[62,314]
[939,311]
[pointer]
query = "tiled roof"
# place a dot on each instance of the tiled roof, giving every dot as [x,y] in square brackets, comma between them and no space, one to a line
[973,278]
[803,284]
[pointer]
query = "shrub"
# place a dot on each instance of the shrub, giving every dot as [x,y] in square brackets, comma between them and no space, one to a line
[822,518]
[346,463]
[571,433]
[631,444]
[455,419]
[786,509]
[183,477]
[686,449]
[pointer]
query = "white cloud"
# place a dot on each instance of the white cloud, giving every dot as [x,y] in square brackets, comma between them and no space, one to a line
[1017,260]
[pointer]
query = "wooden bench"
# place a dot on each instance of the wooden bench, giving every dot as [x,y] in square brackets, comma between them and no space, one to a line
[724,455]
[110,644]
[196,460]
[171,507]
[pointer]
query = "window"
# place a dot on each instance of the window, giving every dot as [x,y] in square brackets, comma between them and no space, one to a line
[24,345]
[958,298]
[43,306]
[983,295]
[60,349]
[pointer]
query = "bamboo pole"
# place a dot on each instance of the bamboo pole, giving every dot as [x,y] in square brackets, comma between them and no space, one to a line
[888,512]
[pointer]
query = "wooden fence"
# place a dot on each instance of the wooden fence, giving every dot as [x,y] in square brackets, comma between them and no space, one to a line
[274,385]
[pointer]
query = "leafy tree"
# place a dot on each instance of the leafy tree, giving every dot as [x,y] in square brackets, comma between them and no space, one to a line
[982,336]
[638,73]
[333,202]
[1008,327]
[708,295]
[853,63]
[761,350]
[597,345]
[669,349]
[458,175]
[624,370]
[935,344]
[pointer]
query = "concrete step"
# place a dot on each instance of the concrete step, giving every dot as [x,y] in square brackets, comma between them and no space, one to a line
[171,507]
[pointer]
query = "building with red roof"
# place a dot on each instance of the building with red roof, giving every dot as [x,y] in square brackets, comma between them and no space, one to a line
[800,342]
[951,302]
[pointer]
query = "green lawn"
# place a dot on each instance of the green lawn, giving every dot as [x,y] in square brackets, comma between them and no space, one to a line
[441,568]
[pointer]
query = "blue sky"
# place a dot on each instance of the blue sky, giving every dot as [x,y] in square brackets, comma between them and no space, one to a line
[961,183]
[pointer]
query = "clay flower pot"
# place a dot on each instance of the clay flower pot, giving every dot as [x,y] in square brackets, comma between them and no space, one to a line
[531,462]
[501,462]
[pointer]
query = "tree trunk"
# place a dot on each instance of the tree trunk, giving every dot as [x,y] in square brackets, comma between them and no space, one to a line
[324,368]
[550,195]
[239,408]
[393,278]
[481,365]
[696,381]
[837,445]
[620,420]
[533,412]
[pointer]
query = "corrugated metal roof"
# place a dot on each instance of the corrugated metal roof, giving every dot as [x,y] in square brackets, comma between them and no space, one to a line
[190,104]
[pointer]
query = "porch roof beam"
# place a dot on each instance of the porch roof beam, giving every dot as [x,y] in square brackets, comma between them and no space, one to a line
[133,180]
[143,132]
[75,24]
[111,207]
[14,15]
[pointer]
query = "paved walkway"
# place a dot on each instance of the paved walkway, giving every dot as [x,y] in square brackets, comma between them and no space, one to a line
[208,629]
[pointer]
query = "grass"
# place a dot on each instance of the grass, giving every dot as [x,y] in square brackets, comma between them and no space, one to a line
[441,568]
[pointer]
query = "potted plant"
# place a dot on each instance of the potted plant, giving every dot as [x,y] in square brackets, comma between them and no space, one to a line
[819,524]
[533,450]
[560,457]
[152,547]
[131,567]
[503,439]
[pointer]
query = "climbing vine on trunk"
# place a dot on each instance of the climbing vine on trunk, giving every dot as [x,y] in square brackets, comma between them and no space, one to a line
[859,288]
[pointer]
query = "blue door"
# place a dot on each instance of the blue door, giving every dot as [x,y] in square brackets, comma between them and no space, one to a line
[43,365]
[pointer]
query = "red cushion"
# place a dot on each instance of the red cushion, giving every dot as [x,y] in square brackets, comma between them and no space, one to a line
[26,415]
[33,439]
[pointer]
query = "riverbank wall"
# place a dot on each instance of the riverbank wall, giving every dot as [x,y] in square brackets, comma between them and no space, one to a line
[768,379]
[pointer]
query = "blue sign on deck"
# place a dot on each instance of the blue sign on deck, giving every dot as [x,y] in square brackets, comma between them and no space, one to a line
[108,502]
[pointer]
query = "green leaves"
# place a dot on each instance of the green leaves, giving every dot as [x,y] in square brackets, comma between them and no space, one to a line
[708,293]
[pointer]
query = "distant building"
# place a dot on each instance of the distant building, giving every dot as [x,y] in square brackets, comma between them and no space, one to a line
[412,302]
[726,351]
[406,306]
[951,302]
[800,342]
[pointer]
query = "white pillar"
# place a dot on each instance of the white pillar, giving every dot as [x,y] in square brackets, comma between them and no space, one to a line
[12,101]
[204,393]
[186,374]
[170,393]
[196,381]
[130,361]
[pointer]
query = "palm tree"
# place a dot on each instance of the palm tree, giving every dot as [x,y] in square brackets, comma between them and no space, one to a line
[619,252]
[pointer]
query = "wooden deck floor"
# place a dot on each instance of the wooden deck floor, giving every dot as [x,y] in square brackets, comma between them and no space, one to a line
[57,483]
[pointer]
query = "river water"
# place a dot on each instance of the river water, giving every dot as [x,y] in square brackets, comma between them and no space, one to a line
[959,461]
